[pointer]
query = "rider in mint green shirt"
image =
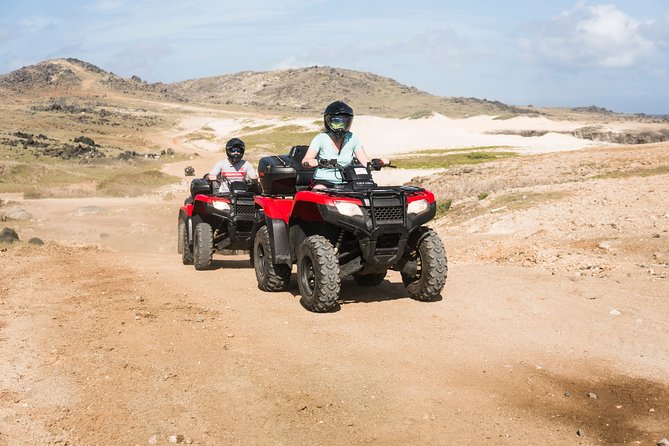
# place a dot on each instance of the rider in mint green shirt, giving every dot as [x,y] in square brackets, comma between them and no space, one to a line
[326,148]
[337,142]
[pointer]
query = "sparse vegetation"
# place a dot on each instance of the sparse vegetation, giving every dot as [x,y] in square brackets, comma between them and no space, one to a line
[202,136]
[449,160]
[443,206]
[640,172]
[278,139]
[521,200]
[421,114]
[135,183]
[57,178]
[458,150]
[256,128]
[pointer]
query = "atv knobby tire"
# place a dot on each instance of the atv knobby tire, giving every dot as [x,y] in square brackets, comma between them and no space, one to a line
[318,274]
[270,277]
[183,247]
[369,279]
[203,245]
[432,267]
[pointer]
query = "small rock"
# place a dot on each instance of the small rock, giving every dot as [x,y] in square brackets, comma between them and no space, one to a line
[153,439]
[199,319]
[606,245]
[36,241]
[87,210]
[663,442]
[9,232]
[592,395]
[580,432]
[175,438]
[614,312]
[17,214]
[567,393]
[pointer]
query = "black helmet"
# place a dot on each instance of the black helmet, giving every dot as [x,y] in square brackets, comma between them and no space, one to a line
[235,150]
[338,118]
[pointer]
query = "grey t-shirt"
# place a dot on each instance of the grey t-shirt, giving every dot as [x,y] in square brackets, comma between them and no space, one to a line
[240,171]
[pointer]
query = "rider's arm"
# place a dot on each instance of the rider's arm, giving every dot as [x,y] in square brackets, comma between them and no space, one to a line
[211,176]
[249,172]
[364,158]
[309,159]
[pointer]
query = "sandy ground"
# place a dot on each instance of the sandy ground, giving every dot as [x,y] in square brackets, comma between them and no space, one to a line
[552,329]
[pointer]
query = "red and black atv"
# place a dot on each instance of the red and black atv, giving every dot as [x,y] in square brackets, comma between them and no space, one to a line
[210,221]
[356,228]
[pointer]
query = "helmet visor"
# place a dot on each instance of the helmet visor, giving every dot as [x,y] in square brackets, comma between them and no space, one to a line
[339,122]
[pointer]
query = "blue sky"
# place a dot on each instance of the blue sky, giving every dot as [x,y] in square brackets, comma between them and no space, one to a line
[613,54]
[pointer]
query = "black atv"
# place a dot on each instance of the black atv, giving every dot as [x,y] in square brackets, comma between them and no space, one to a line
[210,221]
[355,228]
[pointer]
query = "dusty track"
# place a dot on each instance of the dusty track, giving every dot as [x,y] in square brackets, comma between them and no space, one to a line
[106,338]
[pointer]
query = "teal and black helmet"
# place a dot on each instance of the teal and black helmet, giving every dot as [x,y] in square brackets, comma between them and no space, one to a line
[338,118]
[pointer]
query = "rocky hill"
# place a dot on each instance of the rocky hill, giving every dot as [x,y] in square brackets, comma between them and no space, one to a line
[294,91]
[309,89]
[75,77]
[300,91]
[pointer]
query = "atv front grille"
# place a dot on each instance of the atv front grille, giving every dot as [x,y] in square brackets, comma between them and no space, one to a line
[245,209]
[389,214]
[244,226]
[387,241]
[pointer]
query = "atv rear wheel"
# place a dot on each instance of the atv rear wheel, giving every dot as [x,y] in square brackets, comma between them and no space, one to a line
[270,277]
[431,267]
[318,274]
[369,279]
[203,246]
[183,247]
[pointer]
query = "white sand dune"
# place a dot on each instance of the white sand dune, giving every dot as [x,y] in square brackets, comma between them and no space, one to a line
[390,136]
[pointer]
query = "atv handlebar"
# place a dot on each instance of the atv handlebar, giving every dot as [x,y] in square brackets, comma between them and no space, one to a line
[374,164]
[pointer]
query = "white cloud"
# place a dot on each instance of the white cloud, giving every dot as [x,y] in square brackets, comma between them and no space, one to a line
[140,59]
[600,36]
[38,23]
[105,6]
[443,48]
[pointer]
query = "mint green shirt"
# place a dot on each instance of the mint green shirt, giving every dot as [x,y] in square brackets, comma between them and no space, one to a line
[325,148]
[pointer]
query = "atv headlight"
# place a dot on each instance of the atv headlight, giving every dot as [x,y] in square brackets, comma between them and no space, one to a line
[347,208]
[416,207]
[221,205]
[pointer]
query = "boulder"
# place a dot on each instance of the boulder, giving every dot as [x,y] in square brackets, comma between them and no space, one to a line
[8,235]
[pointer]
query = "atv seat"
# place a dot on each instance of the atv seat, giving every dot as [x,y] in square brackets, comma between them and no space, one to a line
[304,175]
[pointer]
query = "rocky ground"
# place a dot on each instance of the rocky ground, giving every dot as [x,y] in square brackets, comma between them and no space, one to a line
[552,327]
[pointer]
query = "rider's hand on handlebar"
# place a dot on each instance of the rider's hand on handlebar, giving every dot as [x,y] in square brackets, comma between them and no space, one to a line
[378,163]
[310,163]
[211,177]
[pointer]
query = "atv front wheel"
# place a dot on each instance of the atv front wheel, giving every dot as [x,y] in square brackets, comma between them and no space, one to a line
[183,247]
[318,274]
[270,277]
[203,246]
[431,267]
[369,279]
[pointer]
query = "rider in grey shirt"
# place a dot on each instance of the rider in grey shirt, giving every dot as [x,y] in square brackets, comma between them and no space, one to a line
[234,168]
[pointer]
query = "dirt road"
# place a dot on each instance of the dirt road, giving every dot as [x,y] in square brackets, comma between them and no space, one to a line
[106,338]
